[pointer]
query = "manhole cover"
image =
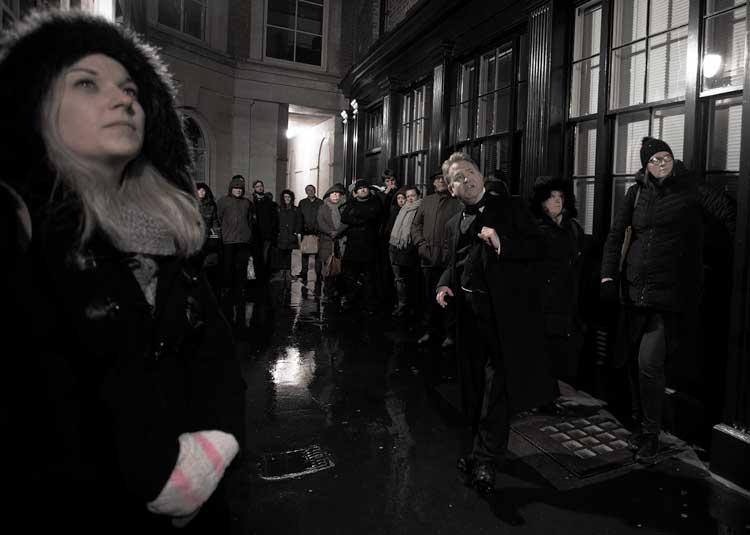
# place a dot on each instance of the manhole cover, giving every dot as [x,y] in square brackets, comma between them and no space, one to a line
[295,463]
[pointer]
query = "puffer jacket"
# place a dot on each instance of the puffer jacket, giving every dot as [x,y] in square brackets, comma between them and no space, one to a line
[663,268]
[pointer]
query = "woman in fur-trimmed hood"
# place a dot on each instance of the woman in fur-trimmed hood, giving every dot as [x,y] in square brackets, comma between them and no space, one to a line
[129,372]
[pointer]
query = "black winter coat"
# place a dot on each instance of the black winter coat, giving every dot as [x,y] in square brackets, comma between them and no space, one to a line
[363,219]
[290,224]
[266,214]
[309,211]
[561,271]
[664,266]
[514,289]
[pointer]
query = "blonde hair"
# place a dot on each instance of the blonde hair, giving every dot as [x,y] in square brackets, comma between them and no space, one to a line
[104,203]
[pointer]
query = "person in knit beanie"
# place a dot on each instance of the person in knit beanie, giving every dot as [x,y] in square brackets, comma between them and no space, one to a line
[653,267]
[136,401]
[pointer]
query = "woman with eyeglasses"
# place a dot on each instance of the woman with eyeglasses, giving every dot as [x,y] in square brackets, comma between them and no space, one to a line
[660,282]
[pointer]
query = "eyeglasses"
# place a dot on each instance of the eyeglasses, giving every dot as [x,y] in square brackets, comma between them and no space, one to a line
[656,160]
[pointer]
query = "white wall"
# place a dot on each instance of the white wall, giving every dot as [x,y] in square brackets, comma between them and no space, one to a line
[312,158]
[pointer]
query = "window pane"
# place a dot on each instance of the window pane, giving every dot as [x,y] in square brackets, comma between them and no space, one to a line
[523,96]
[281,13]
[725,130]
[724,49]
[583,189]
[464,84]
[308,49]
[630,129]
[280,43]
[628,72]
[503,111]
[630,21]
[169,13]
[621,186]
[584,157]
[310,18]
[487,74]
[667,65]
[668,14]
[486,112]
[194,18]
[668,124]
[587,33]
[584,91]
[504,69]
[712,6]
[464,121]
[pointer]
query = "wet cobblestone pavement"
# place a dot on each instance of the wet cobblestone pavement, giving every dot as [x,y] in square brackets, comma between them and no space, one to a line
[357,386]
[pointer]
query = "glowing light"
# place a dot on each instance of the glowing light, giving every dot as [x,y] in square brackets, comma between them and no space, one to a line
[299,131]
[711,65]
[288,369]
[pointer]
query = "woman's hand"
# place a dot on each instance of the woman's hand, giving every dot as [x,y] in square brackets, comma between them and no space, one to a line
[442,293]
[490,237]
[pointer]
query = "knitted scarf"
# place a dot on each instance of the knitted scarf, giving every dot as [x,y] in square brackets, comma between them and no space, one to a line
[147,237]
[401,233]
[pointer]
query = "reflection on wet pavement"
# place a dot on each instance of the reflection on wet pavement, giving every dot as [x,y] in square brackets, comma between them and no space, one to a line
[358,386]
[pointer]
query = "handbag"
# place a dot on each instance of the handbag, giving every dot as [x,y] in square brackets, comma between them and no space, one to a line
[309,244]
[332,267]
[626,242]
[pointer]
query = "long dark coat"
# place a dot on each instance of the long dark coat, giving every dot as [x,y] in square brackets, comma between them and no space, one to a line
[514,288]
[290,224]
[363,219]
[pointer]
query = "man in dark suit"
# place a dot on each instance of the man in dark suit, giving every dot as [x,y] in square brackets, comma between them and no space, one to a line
[493,244]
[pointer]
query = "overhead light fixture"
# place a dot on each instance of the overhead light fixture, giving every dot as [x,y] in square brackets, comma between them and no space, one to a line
[354,105]
[711,65]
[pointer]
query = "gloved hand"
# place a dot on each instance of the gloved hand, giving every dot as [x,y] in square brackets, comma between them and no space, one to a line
[609,292]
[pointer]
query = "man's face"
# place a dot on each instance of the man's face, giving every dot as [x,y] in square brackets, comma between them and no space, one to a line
[439,184]
[258,187]
[467,182]
[310,192]
[362,193]
[390,183]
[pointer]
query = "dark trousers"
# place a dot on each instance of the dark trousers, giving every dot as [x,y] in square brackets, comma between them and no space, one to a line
[483,384]
[235,259]
[403,280]
[360,279]
[306,267]
[436,319]
[262,259]
[648,377]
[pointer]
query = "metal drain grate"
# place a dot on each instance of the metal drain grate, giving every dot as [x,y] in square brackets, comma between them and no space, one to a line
[295,463]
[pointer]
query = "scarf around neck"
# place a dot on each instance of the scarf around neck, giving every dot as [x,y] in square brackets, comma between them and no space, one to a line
[401,233]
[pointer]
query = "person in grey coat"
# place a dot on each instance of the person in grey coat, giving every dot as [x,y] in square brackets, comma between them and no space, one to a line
[428,232]
[332,235]
[235,215]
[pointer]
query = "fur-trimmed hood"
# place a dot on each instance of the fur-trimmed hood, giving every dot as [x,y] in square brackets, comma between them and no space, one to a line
[32,55]
[543,188]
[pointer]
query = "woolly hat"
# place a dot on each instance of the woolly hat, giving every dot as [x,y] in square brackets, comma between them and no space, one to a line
[338,187]
[650,146]
[361,183]
[236,182]
[37,50]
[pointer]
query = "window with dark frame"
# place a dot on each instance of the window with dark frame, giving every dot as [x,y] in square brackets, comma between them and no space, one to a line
[374,129]
[186,16]
[584,105]
[294,31]
[647,82]
[199,148]
[722,79]
[488,109]
[412,142]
